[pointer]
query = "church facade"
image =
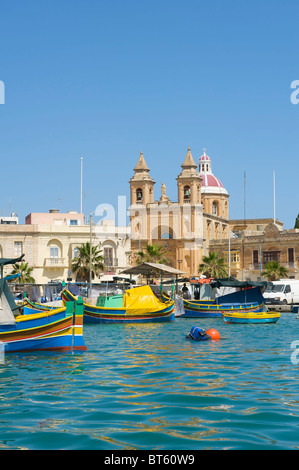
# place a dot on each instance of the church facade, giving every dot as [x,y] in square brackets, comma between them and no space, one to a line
[183,227]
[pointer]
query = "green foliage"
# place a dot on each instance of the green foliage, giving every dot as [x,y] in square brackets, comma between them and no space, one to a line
[152,254]
[25,273]
[81,264]
[274,271]
[213,266]
[297,222]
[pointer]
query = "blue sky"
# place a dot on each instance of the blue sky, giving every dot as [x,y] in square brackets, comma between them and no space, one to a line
[108,79]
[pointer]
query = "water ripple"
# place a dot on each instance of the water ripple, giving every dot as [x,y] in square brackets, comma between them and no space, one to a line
[147,387]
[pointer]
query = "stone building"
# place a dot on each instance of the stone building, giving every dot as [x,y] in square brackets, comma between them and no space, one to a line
[183,227]
[50,240]
[255,242]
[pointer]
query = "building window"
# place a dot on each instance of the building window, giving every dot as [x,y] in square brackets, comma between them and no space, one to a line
[108,256]
[74,222]
[18,248]
[76,252]
[139,195]
[215,208]
[271,256]
[291,255]
[255,260]
[54,252]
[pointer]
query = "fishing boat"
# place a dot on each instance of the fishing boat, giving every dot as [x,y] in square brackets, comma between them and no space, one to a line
[213,310]
[135,305]
[59,329]
[252,317]
[233,295]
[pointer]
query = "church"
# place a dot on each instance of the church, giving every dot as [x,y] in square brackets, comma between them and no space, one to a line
[183,227]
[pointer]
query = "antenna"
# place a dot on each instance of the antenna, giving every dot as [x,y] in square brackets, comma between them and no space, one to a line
[244,198]
[274,208]
[81,208]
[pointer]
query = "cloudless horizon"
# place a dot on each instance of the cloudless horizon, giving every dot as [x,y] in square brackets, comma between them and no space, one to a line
[106,80]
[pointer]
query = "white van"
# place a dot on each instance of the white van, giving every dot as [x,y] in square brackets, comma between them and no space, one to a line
[284,291]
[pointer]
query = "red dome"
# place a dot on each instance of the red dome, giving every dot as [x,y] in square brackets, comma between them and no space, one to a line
[210,180]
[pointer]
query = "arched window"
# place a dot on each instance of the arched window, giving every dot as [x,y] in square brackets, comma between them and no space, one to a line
[166,235]
[187,193]
[139,195]
[215,208]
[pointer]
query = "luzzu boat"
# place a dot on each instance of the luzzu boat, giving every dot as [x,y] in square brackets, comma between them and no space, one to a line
[245,298]
[208,309]
[253,317]
[59,329]
[134,305]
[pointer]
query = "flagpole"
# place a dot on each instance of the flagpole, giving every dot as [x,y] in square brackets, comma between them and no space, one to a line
[229,253]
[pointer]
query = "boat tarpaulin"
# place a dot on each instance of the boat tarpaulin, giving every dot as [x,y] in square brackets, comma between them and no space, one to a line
[142,300]
[232,282]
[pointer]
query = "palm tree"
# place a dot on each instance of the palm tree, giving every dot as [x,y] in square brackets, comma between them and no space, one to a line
[81,264]
[25,273]
[274,271]
[152,254]
[213,266]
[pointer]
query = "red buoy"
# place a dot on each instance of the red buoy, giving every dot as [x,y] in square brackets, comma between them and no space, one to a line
[215,335]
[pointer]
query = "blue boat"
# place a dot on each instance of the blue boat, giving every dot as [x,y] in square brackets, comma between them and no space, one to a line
[59,329]
[246,298]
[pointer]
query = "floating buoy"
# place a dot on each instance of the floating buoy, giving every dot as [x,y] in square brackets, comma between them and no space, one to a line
[198,334]
[215,335]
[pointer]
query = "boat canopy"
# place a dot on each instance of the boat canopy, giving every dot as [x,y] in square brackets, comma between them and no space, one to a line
[147,269]
[232,282]
[141,300]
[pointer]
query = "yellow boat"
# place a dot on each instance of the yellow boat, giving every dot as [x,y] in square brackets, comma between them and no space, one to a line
[251,317]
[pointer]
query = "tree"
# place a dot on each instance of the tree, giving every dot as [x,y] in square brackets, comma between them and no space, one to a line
[297,222]
[274,271]
[25,273]
[81,264]
[213,266]
[152,254]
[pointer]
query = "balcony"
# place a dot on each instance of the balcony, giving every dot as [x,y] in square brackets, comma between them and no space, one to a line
[54,263]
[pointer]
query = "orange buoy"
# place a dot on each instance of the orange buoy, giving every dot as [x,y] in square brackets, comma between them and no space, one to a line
[215,335]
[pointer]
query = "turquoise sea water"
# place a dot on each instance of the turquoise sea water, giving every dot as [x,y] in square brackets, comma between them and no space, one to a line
[147,387]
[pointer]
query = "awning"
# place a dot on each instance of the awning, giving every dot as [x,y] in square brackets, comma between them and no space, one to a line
[148,269]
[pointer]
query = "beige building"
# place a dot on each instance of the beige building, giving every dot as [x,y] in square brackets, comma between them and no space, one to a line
[183,227]
[255,242]
[50,244]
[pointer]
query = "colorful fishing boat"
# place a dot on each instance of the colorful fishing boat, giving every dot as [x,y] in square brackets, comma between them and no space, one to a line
[253,317]
[242,297]
[59,329]
[213,310]
[134,305]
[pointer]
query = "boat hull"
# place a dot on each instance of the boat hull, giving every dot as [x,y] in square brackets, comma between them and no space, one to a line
[58,330]
[262,317]
[199,310]
[95,314]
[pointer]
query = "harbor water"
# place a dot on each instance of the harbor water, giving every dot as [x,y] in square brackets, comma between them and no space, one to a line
[145,386]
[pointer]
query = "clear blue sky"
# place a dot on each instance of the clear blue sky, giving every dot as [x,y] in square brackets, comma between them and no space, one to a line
[107,79]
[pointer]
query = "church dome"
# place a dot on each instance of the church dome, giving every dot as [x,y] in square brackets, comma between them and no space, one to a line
[209,182]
